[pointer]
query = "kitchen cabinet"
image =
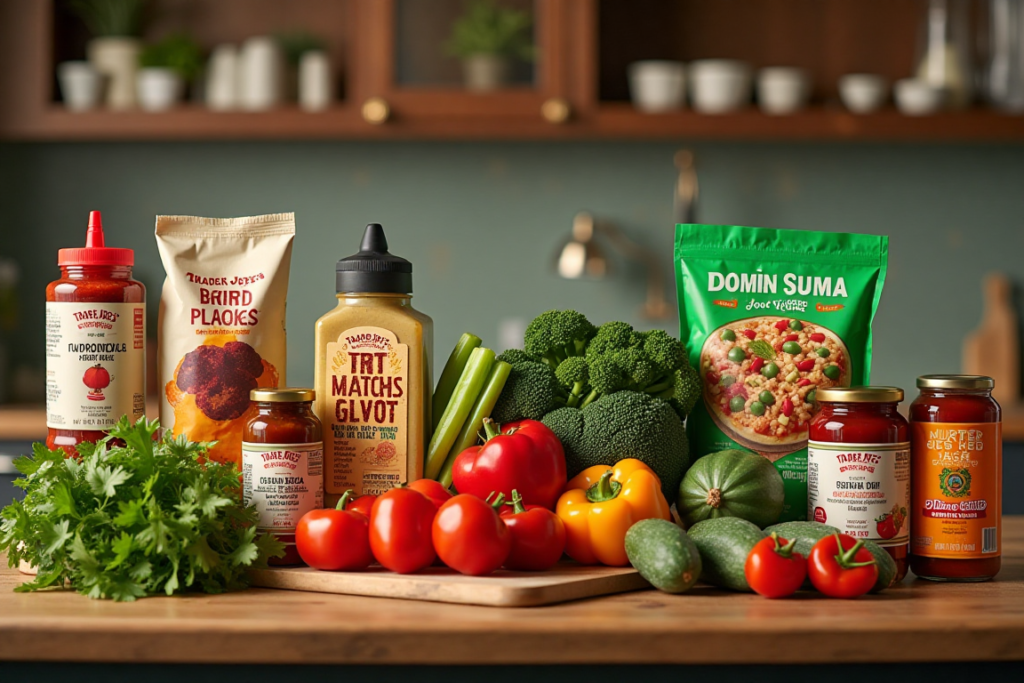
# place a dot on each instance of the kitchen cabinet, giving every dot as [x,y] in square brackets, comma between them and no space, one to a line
[398,84]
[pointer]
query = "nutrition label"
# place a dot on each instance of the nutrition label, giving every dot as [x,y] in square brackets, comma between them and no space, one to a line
[862,489]
[283,481]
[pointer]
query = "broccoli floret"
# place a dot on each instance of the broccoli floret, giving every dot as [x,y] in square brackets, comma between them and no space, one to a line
[530,392]
[574,375]
[626,424]
[687,388]
[557,335]
[665,351]
[612,337]
[513,356]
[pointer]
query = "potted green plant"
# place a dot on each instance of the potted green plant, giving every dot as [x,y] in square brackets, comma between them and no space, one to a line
[488,37]
[114,49]
[165,68]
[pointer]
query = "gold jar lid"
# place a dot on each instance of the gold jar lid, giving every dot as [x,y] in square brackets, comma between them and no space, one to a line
[975,382]
[859,395]
[282,395]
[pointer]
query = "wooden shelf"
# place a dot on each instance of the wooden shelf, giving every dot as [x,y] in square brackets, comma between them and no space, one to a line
[611,121]
[705,626]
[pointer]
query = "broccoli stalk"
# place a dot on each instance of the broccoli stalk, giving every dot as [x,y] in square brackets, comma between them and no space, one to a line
[574,375]
[554,336]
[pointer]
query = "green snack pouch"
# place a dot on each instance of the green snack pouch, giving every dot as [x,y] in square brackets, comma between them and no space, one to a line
[769,316]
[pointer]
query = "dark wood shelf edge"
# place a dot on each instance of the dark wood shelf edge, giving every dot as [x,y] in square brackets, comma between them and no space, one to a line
[611,121]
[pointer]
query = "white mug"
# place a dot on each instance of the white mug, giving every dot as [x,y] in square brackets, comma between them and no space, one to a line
[316,82]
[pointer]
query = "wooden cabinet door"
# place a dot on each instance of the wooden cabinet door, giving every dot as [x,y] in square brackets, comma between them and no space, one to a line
[402,76]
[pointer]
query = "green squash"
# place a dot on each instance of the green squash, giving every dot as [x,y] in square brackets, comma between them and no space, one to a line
[663,554]
[731,483]
[724,544]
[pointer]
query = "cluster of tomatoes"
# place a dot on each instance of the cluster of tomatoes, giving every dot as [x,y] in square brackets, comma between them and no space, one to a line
[502,517]
[838,566]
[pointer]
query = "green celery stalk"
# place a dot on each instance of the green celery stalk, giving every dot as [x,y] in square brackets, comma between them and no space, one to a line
[475,422]
[469,386]
[451,374]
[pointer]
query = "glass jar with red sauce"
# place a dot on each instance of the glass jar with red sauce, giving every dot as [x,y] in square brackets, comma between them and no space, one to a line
[95,342]
[956,431]
[283,462]
[858,467]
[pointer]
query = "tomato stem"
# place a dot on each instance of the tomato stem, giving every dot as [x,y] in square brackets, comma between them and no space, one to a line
[498,502]
[517,502]
[845,557]
[345,499]
[491,429]
[785,551]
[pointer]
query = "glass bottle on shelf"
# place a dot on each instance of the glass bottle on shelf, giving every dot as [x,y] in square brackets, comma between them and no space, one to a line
[944,57]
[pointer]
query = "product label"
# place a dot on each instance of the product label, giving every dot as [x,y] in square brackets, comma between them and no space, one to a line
[366,420]
[95,364]
[283,481]
[861,489]
[957,489]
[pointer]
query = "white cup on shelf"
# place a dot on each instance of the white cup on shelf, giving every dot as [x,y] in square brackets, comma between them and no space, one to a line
[782,89]
[222,79]
[261,69]
[81,85]
[719,86]
[915,97]
[316,81]
[657,85]
[863,93]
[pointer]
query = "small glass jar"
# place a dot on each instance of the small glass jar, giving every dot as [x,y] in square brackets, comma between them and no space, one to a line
[956,430]
[282,462]
[858,467]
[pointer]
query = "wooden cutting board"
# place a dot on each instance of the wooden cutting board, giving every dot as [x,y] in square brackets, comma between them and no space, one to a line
[567,581]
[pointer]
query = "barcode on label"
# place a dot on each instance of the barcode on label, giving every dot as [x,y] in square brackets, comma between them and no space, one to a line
[989,540]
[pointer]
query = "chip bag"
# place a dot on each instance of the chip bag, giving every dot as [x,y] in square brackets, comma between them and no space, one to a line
[769,316]
[222,322]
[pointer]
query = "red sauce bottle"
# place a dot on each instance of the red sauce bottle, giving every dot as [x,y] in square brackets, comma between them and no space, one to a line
[283,463]
[858,467]
[95,342]
[957,470]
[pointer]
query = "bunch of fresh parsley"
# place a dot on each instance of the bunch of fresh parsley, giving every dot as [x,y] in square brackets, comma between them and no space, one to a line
[132,517]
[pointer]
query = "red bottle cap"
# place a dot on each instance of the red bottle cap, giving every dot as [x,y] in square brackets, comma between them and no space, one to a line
[95,253]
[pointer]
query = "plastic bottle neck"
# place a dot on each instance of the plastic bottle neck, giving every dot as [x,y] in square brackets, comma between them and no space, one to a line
[96,272]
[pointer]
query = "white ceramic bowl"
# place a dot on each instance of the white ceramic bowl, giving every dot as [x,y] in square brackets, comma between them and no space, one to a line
[657,85]
[158,89]
[917,98]
[782,89]
[718,86]
[862,93]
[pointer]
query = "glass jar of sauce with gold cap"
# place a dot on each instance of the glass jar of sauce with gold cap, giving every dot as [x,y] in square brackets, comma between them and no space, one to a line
[858,467]
[283,462]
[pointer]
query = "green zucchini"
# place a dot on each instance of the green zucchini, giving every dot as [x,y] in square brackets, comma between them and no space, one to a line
[809,533]
[724,543]
[731,483]
[663,554]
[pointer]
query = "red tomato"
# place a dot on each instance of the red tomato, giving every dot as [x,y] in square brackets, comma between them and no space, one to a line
[400,530]
[885,526]
[773,569]
[841,567]
[538,536]
[469,536]
[436,492]
[334,539]
[363,504]
[526,455]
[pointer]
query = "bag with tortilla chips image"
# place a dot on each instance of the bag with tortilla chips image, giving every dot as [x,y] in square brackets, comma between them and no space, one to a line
[770,316]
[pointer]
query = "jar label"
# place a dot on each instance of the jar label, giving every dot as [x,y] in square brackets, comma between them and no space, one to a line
[95,364]
[957,489]
[283,481]
[861,489]
[365,415]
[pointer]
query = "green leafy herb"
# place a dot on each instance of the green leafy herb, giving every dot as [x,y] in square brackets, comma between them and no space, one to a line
[127,521]
[762,349]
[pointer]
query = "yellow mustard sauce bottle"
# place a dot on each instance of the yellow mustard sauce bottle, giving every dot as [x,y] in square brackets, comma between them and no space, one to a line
[372,374]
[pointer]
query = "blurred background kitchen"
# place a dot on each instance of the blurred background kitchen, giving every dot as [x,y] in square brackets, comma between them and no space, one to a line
[526,155]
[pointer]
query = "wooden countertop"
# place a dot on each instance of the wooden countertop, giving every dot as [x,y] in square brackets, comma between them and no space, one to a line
[919,621]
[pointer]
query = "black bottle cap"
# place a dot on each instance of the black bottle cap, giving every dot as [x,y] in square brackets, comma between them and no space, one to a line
[373,269]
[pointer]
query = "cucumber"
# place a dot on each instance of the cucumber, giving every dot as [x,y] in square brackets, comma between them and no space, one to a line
[663,554]
[731,483]
[805,533]
[887,569]
[724,543]
[809,533]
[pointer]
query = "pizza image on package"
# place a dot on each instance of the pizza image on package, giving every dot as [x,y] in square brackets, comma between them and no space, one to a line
[769,317]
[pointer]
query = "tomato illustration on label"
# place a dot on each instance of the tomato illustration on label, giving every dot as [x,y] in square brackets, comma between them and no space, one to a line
[97,378]
[889,524]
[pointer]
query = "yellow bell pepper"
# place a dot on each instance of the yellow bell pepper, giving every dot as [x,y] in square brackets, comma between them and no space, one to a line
[599,505]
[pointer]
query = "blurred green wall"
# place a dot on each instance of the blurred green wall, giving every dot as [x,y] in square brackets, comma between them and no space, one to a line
[481,221]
